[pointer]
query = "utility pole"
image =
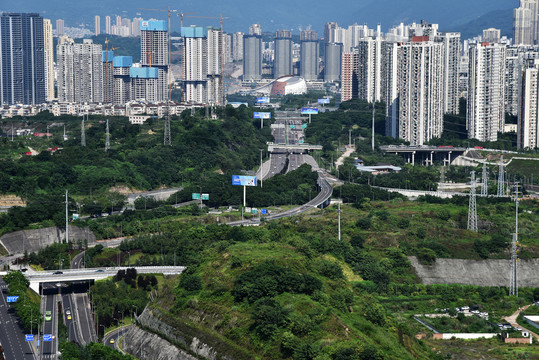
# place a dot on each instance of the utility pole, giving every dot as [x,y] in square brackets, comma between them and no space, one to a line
[484,181]
[472,208]
[513,285]
[350,137]
[67,220]
[107,138]
[501,184]
[82,133]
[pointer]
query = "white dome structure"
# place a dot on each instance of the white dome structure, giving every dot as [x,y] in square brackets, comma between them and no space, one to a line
[285,85]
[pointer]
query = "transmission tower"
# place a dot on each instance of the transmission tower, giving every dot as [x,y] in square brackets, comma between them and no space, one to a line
[513,281]
[167,137]
[484,181]
[472,209]
[107,138]
[82,133]
[501,181]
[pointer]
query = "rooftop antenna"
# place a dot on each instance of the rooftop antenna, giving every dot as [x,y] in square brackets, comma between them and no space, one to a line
[472,208]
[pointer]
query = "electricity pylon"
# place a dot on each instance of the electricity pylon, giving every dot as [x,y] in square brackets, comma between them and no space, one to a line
[472,209]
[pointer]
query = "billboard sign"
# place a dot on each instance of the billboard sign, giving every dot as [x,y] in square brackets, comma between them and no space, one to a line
[243,180]
[309,111]
[12,299]
[263,100]
[323,101]
[262,115]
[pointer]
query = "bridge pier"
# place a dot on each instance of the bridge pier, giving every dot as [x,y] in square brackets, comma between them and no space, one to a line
[413,158]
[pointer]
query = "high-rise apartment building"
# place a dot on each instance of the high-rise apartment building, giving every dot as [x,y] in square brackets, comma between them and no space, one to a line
[517,59]
[135,26]
[255,29]
[528,113]
[227,48]
[49,59]
[452,53]
[80,71]
[237,46]
[369,69]
[349,75]
[485,115]
[22,61]
[108,76]
[329,34]
[252,57]
[97,25]
[420,77]
[107,25]
[118,20]
[332,62]
[60,27]
[309,55]
[202,70]
[122,80]
[154,52]
[525,24]
[282,63]
[491,35]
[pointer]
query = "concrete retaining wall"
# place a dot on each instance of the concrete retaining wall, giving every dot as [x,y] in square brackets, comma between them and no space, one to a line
[34,240]
[476,272]
[466,336]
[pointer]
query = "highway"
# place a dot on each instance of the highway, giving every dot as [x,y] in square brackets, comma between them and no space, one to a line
[71,324]
[12,334]
[85,321]
[49,327]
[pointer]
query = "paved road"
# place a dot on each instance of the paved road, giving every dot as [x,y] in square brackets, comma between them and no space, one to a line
[116,334]
[71,324]
[50,327]
[11,333]
[77,261]
[85,321]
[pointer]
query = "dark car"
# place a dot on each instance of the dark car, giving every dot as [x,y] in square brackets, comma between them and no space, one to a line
[57,273]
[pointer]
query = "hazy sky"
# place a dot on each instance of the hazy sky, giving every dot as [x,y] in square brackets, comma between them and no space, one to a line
[272,15]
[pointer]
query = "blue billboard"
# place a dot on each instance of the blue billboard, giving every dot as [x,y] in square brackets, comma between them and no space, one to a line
[323,101]
[262,115]
[243,180]
[263,100]
[309,111]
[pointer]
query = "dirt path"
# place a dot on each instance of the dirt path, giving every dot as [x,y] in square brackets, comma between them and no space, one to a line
[349,150]
[512,319]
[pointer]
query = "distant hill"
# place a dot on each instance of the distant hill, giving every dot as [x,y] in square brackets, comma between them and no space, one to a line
[499,19]
[278,14]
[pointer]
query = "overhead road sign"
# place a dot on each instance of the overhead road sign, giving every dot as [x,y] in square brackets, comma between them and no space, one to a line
[29,337]
[264,211]
[304,126]
[243,180]
[323,101]
[205,196]
[309,111]
[47,337]
[195,196]
[262,115]
[12,299]
[263,100]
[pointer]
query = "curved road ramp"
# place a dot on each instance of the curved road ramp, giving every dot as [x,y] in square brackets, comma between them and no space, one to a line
[34,240]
